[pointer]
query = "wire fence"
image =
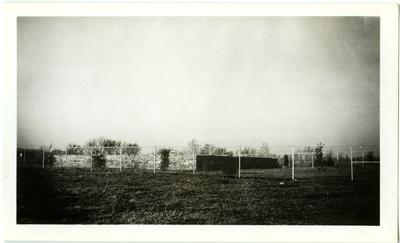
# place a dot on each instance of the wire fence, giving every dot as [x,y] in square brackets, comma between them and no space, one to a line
[285,162]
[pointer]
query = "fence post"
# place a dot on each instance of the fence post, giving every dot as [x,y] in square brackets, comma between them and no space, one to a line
[43,158]
[154,164]
[351,162]
[66,156]
[240,155]
[292,163]
[120,158]
[312,159]
[24,158]
[194,158]
[91,159]
[337,157]
[363,156]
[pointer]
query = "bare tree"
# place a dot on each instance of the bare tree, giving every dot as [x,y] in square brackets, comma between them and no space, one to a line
[264,150]
[193,146]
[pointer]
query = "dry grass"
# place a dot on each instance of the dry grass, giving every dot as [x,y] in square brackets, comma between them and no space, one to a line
[129,197]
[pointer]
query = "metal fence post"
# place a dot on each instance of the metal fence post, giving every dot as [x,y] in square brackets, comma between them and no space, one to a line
[24,158]
[154,164]
[292,163]
[43,158]
[91,159]
[351,163]
[240,154]
[66,155]
[312,159]
[120,159]
[363,157]
[194,159]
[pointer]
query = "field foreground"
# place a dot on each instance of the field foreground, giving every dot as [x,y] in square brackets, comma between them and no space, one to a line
[78,196]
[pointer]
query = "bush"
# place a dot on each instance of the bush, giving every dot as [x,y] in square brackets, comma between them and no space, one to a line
[164,159]
[99,159]
[132,148]
[286,160]
[370,156]
[49,158]
[319,155]
[75,149]
[328,161]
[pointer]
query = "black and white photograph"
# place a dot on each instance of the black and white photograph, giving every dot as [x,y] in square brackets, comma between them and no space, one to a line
[199,120]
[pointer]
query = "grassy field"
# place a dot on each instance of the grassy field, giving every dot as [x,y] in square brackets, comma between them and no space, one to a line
[78,196]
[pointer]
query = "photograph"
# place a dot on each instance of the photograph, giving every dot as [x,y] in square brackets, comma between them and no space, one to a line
[198,120]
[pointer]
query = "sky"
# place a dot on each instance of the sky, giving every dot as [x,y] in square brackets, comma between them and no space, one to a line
[221,80]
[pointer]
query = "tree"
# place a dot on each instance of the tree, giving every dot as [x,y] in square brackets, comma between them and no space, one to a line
[110,145]
[207,149]
[264,150]
[219,151]
[74,149]
[49,157]
[193,146]
[132,148]
[319,155]
[248,151]
[164,158]
[95,149]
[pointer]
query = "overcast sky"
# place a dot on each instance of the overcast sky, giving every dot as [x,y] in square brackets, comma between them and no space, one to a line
[221,80]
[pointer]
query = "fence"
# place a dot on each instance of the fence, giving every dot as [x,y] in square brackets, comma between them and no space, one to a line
[297,161]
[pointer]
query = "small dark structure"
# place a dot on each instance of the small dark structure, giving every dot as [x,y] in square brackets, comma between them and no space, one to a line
[221,163]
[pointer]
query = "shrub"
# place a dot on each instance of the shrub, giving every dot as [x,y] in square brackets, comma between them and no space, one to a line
[110,145]
[95,148]
[132,149]
[286,160]
[74,149]
[207,149]
[328,161]
[49,158]
[48,155]
[164,159]
[319,155]
[99,159]
[370,156]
